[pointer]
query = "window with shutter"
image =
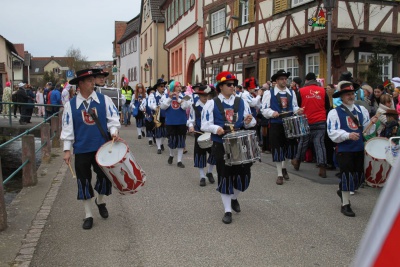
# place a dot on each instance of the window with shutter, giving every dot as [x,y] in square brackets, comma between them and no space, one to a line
[280,5]
[251,11]
[262,71]
[236,13]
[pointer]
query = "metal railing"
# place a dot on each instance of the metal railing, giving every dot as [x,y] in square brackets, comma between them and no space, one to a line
[12,107]
[49,132]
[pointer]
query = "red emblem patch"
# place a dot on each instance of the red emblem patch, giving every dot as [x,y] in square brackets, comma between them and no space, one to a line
[175,104]
[229,115]
[87,119]
[284,102]
[351,124]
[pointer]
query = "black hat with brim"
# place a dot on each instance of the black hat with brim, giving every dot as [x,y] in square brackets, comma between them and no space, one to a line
[82,74]
[344,87]
[280,73]
[149,90]
[99,72]
[159,82]
[204,90]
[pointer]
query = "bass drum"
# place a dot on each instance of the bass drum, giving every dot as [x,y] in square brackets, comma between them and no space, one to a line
[376,168]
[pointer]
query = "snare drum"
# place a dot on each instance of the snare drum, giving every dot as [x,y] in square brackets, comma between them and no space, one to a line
[376,167]
[296,126]
[121,168]
[204,141]
[241,147]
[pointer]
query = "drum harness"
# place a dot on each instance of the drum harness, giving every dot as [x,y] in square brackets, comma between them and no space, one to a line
[96,120]
[355,120]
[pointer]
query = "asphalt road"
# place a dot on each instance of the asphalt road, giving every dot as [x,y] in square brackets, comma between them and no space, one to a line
[173,221]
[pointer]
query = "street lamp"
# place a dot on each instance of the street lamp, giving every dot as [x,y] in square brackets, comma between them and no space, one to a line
[329,5]
[150,63]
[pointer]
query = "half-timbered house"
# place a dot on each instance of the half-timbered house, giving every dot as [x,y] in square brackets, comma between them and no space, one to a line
[258,37]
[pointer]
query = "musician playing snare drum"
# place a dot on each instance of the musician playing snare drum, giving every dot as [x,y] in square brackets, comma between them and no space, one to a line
[280,101]
[194,124]
[345,125]
[215,117]
[79,129]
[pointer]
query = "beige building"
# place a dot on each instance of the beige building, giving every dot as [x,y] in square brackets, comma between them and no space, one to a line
[9,60]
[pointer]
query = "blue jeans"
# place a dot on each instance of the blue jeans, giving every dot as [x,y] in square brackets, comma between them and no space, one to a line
[126,114]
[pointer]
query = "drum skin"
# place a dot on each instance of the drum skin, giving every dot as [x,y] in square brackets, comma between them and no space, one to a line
[204,141]
[376,168]
[121,168]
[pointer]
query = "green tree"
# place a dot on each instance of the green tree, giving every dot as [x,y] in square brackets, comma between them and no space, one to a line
[75,59]
[50,77]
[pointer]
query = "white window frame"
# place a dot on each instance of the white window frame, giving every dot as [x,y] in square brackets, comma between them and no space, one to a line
[289,64]
[187,5]
[239,66]
[299,2]
[387,69]
[135,44]
[314,65]
[245,12]
[218,21]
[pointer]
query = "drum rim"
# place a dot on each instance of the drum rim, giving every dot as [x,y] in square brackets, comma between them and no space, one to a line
[117,161]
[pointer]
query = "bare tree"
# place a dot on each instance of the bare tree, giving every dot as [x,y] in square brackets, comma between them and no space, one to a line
[75,59]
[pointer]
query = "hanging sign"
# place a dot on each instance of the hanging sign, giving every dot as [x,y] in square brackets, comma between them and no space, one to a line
[318,21]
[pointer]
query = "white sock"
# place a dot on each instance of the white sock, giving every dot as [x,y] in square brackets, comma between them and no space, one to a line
[226,200]
[284,164]
[100,199]
[171,152]
[158,142]
[143,130]
[279,168]
[180,154]
[210,168]
[202,175]
[235,193]
[139,131]
[150,139]
[346,197]
[88,210]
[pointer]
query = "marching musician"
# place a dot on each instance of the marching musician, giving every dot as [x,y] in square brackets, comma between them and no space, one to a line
[154,103]
[345,125]
[175,120]
[278,102]
[137,99]
[227,109]
[204,92]
[148,116]
[252,97]
[81,131]
[100,78]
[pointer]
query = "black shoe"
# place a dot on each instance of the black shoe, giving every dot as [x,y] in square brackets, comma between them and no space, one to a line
[285,174]
[185,151]
[235,205]
[162,147]
[227,219]
[139,137]
[203,182]
[102,209]
[143,134]
[158,151]
[180,165]
[170,160]
[150,143]
[87,223]
[210,178]
[346,210]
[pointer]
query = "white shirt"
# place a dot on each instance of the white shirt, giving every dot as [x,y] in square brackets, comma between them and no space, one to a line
[152,100]
[266,110]
[253,102]
[65,95]
[338,135]
[166,102]
[67,133]
[191,122]
[209,126]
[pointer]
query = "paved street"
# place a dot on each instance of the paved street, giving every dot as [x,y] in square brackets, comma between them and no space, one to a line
[173,221]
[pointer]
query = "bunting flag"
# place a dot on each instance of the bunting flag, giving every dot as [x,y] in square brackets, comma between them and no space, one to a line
[380,245]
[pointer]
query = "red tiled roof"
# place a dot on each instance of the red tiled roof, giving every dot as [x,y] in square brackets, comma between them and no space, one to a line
[20,49]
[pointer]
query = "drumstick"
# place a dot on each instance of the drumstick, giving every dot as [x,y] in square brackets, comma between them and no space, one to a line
[370,124]
[110,150]
[198,132]
[72,171]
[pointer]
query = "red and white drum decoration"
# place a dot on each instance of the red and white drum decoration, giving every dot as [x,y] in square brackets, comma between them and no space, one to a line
[376,168]
[121,168]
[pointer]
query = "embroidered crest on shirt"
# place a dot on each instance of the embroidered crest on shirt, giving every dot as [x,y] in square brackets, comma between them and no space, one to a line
[230,115]
[175,104]
[351,124]
[87,119]
[284,102]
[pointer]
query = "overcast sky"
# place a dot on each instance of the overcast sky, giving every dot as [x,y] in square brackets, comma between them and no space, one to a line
[50,27]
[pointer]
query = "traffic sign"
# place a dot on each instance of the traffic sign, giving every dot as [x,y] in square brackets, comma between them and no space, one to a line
[70,74]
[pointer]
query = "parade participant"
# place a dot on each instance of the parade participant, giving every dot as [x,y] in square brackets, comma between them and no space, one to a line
[250,96]
[127,91]
[148,116]
[100,78]
[81,131]
[194,124]
[138,97]
[264,122]
[239,90]
[154,103]
[295,85]
[217,114]
[195,96]
[175,120]
[7,98]
[277,103]
[315,102]
[65,94]
[345,126]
